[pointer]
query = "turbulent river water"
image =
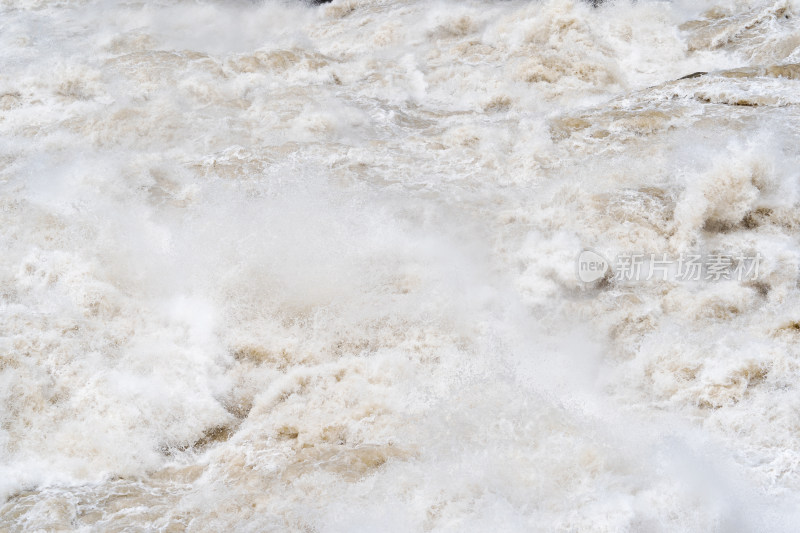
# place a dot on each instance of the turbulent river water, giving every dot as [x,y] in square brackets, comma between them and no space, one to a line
[280,267]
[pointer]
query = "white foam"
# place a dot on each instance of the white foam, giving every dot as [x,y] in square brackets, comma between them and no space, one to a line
[269,266]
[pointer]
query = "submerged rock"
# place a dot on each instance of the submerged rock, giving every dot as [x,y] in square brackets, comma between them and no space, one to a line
[693,75]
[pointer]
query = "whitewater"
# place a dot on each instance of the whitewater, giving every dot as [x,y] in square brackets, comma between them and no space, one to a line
[270,266]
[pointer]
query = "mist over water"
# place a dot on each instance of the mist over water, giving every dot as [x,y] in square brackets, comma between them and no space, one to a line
[275,267]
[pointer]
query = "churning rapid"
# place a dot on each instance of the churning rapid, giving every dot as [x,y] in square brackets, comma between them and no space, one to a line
[269,266]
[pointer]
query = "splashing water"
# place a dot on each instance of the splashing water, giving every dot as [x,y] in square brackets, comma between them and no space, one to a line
[277,267]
